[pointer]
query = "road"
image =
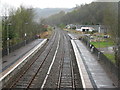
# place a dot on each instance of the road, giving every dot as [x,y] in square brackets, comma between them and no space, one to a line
[54,66]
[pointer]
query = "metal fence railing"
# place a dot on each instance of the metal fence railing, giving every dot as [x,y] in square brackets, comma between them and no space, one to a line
[17,46]
[109,66]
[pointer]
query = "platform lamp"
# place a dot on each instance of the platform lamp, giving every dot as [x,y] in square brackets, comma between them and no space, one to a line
[8,50]
[25,31]
[99,30]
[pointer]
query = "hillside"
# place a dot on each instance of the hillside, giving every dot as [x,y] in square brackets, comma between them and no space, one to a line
[46,12]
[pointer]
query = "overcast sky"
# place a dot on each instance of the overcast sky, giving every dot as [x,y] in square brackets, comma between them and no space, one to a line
[45,3]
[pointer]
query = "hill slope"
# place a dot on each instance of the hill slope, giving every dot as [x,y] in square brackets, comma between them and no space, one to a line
[46,12]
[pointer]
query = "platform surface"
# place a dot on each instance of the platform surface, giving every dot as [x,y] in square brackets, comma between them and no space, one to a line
[98,74]
[8,60]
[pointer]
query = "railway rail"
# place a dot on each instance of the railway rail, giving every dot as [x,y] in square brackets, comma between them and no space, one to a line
[25,78]
[54,66]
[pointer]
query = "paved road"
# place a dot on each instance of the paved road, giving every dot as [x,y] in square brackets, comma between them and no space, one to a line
[53,67]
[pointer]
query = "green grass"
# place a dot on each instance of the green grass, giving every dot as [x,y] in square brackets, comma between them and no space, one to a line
[111,57]
[103,44]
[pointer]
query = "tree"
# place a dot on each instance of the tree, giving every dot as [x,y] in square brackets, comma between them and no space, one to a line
[17,23]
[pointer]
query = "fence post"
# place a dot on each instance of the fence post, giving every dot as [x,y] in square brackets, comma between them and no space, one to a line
[98,56]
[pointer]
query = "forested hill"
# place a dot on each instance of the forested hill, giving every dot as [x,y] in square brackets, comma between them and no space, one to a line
[103,13]
[93,13]
[46,12]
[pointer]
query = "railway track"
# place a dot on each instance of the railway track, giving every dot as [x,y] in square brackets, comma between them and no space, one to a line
[54,67]
[66,78]
[69,76]
[25,77]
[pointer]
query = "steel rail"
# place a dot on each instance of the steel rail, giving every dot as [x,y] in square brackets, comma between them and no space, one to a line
[51,64]
[13,85]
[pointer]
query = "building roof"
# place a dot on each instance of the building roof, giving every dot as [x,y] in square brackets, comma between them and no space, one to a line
[87,28]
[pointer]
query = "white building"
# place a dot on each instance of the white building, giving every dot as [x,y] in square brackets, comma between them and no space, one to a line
[70,26]
[90,28]
[85,29]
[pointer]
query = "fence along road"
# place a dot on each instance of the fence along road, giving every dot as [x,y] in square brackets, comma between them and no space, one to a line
[54,66]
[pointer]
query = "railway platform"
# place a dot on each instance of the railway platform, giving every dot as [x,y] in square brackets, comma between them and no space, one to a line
[10,59]
[18,58]
[97,75]
[59,64]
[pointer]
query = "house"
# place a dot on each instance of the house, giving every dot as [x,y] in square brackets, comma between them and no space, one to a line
[102,29]
[78,27]
[84,28]
[96,28]
[71,26]
[87,29]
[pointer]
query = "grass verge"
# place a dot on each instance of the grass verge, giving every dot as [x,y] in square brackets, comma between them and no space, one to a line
[105,44]
[111,57]
[46,34]
[102,44]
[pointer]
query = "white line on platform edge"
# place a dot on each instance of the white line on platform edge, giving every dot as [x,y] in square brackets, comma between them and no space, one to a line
[30,52]
[78,59]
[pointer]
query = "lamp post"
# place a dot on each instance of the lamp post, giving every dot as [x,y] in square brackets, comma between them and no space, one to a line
[8,25]
[99,42]
[99,37]
[25,31]
[25,37]
[88,40]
